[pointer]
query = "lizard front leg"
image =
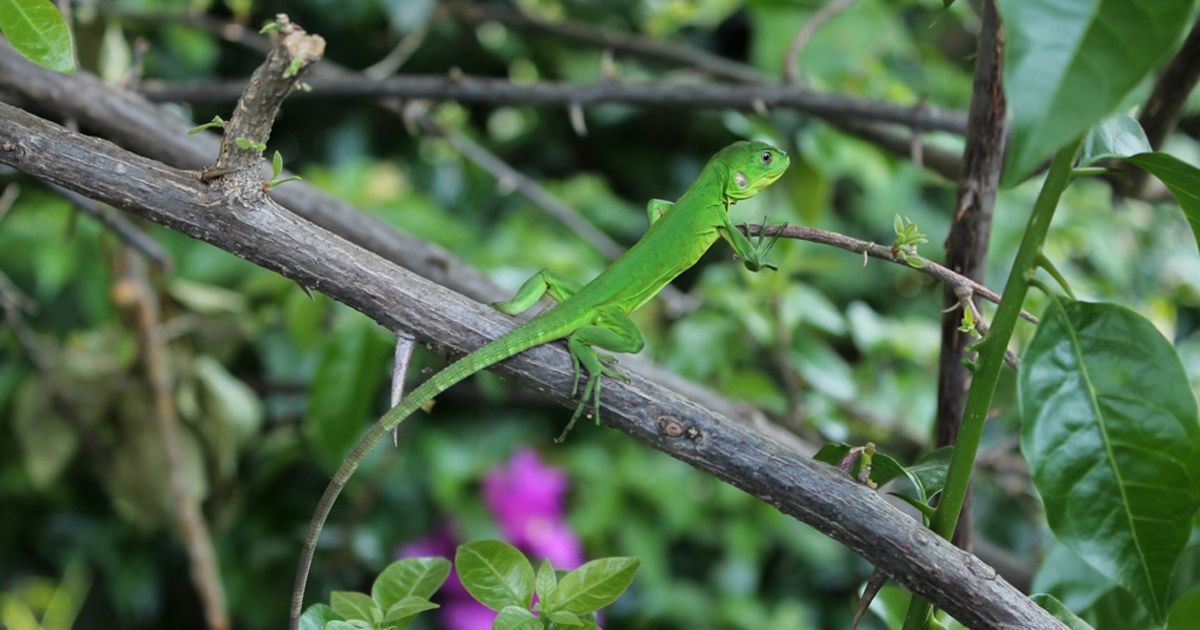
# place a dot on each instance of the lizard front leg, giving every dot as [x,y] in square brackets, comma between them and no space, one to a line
[545,281]
[753,255]
[611,330]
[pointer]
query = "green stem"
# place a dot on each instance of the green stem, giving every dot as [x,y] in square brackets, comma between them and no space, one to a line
[991,359]
[1045,263]
[1084,171]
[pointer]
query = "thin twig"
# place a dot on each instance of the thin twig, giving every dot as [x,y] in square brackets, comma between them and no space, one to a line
[882,252]
[246,134]
[791,60]
[189,518]
[652,94]
[404,49]
[118,224]
[942,162]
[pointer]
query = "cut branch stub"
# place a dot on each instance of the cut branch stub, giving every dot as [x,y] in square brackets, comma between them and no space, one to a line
[247,132]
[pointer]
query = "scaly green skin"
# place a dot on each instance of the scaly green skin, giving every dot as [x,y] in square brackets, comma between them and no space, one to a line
[596,315]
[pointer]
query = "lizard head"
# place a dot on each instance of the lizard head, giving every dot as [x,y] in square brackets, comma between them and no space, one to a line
[752,166]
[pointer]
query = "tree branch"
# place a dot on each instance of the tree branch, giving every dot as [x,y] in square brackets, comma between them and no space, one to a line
[249,225]
[152,131]
[791,59]
[658,94]
[149,130]
[189,518]
[1175,83]
[958,281]
[942,162]
[967,244]
[246,134]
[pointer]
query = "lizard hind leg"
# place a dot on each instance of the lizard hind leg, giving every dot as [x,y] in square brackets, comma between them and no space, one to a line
[545,281]
[610,330]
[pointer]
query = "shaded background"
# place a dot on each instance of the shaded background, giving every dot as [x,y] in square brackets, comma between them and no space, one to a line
[273,385]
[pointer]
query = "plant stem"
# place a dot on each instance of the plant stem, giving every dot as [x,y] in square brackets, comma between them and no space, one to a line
[991,359]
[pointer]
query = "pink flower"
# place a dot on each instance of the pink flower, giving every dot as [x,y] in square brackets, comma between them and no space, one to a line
[526,497]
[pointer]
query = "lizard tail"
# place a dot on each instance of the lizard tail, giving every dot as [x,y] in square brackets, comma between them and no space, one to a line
[519,340]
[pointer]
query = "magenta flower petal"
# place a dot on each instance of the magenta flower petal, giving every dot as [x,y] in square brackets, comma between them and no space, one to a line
[466,614]
[524,488]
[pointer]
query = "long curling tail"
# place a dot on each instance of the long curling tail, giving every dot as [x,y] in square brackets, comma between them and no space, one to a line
[532,333]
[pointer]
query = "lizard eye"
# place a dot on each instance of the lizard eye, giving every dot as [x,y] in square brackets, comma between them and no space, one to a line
[766,157]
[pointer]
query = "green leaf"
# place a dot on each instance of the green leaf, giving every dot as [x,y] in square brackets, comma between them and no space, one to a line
[351,624]
[1060,612]
[920,505]
[343,391]
[930,472]
[276,165]
[547,581]
[37,30]
[1109,427]
[592,586]
[216,123]
[1185,612]
[402,612]
[884,467]
[516,618]
[495,573]
[564,618]
[351,606]
[1181,178]
[1069,63]
[48,442]
[317,616]
[1117,136]
[410,577]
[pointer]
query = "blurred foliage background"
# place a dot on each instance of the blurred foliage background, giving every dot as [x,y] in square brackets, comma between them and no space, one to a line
[273,385]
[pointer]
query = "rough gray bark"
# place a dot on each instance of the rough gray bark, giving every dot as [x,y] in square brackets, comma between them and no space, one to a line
[246,223]
[967,245]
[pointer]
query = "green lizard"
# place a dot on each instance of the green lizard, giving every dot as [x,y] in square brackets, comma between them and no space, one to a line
[596,314]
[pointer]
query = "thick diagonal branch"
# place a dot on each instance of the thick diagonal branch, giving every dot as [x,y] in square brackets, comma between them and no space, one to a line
[263,233]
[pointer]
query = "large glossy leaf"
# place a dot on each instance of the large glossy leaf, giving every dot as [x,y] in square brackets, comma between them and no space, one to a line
[1118,136]
[1185,613]
[1122,137]
[1181,178]
[419,577]
[37,30]
[1110,430]
[1069,63]
[495,573]
[592,586]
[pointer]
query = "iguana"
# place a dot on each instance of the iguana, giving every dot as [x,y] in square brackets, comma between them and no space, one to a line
[596,314]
